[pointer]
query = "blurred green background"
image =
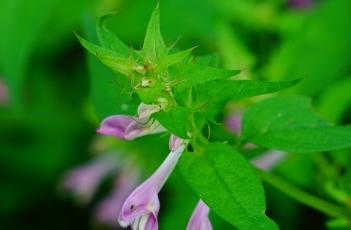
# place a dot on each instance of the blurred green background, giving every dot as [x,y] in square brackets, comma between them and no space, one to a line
[47,118]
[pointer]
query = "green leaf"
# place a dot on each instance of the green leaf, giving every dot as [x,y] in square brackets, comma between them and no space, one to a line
[208,60]
[108,93]
[217,93]
[175,58]
[109,40]
[175,120]
[109,58]
[187,75]
[228,184]
[154,46]
[289,123]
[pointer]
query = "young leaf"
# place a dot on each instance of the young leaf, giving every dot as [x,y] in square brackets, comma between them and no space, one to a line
[109,40]
[228,184]
[188,75]
[217,93]
[175,58]
[289,123]
[175,120]
[109,58]
[154,46]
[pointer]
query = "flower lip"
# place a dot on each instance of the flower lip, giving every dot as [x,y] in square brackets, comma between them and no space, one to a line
[129,127]
[116,125]
[144,199]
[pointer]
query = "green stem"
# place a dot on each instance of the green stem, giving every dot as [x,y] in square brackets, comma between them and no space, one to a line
[303,197]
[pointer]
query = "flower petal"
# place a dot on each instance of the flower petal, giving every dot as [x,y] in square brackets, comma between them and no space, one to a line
[116,125]
[199,219]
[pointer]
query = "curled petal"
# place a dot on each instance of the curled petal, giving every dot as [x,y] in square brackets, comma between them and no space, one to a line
[135,130]
[145,111]
[146,222]
[116,125]
[269,159]
[199,219]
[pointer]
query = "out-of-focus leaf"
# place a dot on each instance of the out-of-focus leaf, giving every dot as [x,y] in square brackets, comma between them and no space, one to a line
[228,184]
[335,100]
[232,50]
[288,123]
[109,40]
[21,25]
[318,49]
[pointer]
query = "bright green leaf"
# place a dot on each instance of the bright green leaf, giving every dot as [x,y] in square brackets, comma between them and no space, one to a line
[154,46]
[175,58]
[228,184]
[187,75]
[175,120]
[109,58]
[289,123]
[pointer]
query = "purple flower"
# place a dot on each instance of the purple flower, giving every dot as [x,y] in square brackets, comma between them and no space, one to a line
[130,127]
[83,181]
[4,97]
[301,4]
[108,209]
[269,159]
[199,219]
[141,208]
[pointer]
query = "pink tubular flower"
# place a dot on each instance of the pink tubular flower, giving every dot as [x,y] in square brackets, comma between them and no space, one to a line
[199,219]
[141,208]
[108,209]
[83,181]
[129,127]
[269,159]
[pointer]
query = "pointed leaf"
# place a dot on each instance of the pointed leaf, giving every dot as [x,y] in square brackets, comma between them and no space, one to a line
[175,58]
[154,46]
[109,58]
[187,75]
[109,40]
[289,124]
[228,184]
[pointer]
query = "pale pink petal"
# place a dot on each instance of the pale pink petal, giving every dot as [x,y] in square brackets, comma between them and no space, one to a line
[199,219]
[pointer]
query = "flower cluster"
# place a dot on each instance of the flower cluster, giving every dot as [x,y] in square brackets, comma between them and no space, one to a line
[142,206]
